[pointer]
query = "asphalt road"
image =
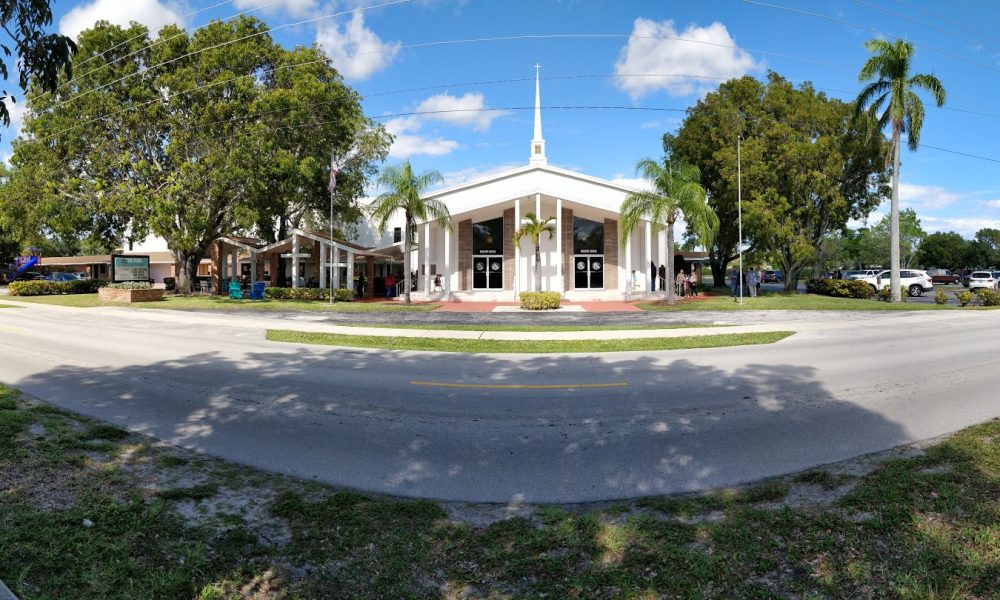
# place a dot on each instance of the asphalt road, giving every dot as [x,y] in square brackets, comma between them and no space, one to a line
[608,426]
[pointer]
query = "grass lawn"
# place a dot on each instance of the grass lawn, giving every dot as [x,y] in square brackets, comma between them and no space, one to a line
[513,327]
[223,303]
[525,346]
[787,301]
[88,510]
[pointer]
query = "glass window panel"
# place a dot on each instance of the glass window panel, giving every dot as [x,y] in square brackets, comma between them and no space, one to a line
[487,237]
[588,236]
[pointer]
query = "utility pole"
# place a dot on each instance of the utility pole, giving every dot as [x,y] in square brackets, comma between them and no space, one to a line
[739,209]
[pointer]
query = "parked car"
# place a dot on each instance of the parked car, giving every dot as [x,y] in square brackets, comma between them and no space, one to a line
[915,282]
[63,277]
[30,276]
[944,276]
[862,274]
[982,280]
[773,277]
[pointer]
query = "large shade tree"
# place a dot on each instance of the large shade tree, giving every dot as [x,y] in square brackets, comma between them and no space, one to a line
[403,191]
[890,101]
[532,228]
[190,137]
[675,193]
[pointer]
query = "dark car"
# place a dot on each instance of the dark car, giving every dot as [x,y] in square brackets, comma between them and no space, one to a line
[944,276]
[63,277]
[773,277]
[30,276]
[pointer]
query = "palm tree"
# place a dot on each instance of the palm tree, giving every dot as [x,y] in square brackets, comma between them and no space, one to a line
[533,228]
[891,94]
[676,191]
[403,194]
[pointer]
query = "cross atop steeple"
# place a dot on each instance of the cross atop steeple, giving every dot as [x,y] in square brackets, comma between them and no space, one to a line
[537,141]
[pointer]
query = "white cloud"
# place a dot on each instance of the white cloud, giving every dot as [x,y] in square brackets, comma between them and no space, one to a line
[355,51]
[468,110]
[296,8]
[408,143]
[967,226]
[653,52]
[925,197]
[151,13]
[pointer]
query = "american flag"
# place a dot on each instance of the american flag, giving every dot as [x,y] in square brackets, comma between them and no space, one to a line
[334,169]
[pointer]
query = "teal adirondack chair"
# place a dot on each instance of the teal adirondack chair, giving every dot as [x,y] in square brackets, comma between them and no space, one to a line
[235,293]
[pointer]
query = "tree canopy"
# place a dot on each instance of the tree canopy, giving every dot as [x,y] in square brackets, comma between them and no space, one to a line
[196,136]
[808,167]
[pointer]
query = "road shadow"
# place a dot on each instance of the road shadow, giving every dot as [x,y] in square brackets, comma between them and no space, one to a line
[351,418]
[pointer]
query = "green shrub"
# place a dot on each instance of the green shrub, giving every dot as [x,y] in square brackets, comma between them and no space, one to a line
[130,285]
[280,293]
[988,297]
[49,288]
[965,298]
[940,297]
[540,300]
[839,288]
[886,296]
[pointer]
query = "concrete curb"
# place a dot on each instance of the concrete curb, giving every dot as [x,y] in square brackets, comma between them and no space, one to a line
[5,593]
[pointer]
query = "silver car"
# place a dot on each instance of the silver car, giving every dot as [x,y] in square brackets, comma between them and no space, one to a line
[982,280]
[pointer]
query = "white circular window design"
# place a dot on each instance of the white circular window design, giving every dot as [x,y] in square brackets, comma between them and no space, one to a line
[581,265]
[495,266]
[480,266]
[595,266]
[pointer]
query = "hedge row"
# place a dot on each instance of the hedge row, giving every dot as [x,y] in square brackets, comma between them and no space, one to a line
[540,300]
[130,285]
[980,297]
[50,288]
[840,288]
[285,293]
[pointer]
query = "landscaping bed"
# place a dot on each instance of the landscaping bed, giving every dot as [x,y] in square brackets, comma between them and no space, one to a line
[89,510]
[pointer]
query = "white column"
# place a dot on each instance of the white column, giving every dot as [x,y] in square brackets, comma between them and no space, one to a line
[661,244]
[295,260]
[648,258]
[336,267]
[628,260]
[517,248]
[253,268]
[322,265]
[561,280]
[447,260]
[538,215]
[427,256]
[350,270]
[234,261]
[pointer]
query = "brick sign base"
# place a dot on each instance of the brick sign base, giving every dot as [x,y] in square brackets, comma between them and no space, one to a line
[129,296]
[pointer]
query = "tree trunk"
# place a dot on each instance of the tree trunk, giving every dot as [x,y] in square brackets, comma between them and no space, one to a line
[538,267]
[894,281]
[718,263]
[408,245]
[671,276]
[186,264]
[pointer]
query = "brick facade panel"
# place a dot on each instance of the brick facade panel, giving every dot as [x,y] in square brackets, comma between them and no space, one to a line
[465,255]
[610,254]
[567,248]
[509,263]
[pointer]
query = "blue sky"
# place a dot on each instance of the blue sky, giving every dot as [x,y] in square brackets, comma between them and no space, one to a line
[374,49]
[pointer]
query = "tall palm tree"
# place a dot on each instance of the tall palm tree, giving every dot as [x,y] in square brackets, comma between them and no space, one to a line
[889,100]
[403,190]
[533,229]
[676,192]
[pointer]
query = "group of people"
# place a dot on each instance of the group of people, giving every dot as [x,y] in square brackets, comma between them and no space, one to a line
[750,280]
[684,284]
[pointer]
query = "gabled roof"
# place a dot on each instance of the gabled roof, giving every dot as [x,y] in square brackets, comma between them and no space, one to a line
[527,169]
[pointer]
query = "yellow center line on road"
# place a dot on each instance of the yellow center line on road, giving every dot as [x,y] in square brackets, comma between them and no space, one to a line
[520,386]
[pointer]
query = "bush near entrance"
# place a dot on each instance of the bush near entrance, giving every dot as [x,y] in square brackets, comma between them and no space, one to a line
[840,288]
[540,300]
[49,288]
[280,293]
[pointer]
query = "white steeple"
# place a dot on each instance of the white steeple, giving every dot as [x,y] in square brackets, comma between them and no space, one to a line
[537,142]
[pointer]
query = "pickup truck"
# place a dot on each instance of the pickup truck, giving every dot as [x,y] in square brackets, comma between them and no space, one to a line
[944,276]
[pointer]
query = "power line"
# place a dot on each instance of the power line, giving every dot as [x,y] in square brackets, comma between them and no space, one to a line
[946,20]
[995,160]
[164,40]
[926,24]
[132,39]
[229,42]
[872,29]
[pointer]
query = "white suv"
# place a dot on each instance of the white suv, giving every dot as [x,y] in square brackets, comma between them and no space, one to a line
[915,282]
[982,280]
[862,274]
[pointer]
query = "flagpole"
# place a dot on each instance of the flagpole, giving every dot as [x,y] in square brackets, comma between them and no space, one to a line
[329,250]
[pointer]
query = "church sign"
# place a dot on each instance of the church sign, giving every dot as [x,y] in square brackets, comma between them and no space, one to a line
[129,268]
